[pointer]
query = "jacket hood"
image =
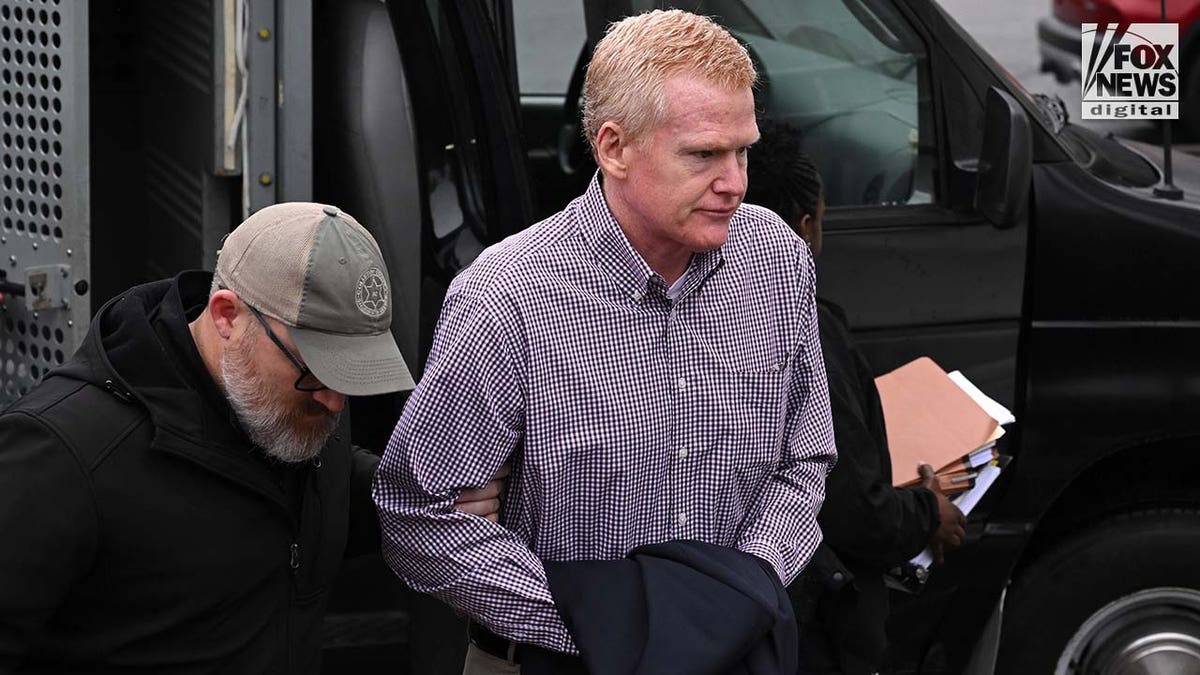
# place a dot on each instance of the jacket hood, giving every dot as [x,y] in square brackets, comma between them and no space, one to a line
[124,354]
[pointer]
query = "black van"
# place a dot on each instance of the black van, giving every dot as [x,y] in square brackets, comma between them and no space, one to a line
[968,220]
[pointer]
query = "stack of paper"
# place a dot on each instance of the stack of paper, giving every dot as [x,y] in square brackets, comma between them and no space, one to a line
[939,419]
[945,421]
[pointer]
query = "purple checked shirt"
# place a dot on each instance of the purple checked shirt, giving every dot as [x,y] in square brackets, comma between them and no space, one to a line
[628,419]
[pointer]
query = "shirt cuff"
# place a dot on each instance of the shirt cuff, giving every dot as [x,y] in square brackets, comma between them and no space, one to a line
[768,553]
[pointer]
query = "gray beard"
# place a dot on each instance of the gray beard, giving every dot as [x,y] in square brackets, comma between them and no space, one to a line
[269,423]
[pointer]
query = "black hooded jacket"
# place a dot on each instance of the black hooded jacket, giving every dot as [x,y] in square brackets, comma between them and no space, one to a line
[840,599]
[143,532]
[869,524]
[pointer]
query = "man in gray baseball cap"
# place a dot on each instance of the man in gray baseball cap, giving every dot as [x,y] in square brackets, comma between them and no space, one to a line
[313,280]
[179,495]
[318,271]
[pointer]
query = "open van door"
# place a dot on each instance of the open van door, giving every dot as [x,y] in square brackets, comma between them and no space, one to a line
[416,133]
[553,42]
[418,136]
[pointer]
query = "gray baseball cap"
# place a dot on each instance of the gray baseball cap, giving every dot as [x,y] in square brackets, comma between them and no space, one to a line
[320,272]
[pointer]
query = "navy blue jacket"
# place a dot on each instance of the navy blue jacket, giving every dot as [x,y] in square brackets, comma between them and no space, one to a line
[675,607]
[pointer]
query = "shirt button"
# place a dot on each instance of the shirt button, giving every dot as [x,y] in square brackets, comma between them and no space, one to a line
[683,453]
[681,383]
[637,296]
[681,519]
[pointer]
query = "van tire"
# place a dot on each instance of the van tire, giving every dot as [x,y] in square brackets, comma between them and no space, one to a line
[1139,571]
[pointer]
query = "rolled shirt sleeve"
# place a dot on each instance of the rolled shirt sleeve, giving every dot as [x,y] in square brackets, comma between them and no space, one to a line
[463,421]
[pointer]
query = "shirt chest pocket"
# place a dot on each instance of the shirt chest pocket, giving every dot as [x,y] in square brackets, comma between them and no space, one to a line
[753,407]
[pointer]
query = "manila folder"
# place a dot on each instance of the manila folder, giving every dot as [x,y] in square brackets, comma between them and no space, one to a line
[929,419]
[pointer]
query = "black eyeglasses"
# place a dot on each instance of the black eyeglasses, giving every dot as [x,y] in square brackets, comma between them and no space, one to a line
[307,381]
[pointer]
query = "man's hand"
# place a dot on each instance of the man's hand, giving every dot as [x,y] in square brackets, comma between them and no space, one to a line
[952,528]
[485,501]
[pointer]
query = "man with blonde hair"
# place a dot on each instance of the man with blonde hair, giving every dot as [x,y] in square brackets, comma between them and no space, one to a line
[646,360]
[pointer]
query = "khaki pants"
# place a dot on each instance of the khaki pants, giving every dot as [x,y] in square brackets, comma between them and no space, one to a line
[480,662]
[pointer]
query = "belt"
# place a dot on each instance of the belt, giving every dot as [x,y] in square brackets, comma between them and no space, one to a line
[499,647]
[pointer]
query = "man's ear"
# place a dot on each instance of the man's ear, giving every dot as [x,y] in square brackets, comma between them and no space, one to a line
[612,150]
[224,309]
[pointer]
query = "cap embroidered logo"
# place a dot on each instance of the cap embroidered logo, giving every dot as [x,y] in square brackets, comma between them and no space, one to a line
[371,293]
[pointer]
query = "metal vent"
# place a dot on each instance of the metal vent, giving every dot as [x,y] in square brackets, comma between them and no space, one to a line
[44,221]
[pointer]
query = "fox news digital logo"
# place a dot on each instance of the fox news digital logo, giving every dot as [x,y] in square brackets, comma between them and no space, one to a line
[1130,71]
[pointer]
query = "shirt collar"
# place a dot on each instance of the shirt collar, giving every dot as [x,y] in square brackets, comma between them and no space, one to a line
[617,256]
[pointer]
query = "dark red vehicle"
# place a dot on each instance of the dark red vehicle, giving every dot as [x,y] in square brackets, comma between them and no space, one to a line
[1059,37]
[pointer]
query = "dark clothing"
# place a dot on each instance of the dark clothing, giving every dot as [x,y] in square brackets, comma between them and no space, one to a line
[869,526]
[144,532]
[675,607]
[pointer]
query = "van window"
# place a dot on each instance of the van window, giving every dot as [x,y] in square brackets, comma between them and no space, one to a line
[849,77]
[549,35]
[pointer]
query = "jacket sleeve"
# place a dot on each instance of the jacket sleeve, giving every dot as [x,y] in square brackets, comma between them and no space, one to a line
[462,422]
[868,521]
[781,527]
[363,538]
[865,519]
[48,526]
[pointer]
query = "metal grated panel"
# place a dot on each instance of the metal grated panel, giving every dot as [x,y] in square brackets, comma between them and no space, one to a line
[44,220]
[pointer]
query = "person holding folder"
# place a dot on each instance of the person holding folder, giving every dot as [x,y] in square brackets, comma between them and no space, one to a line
[840,600]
